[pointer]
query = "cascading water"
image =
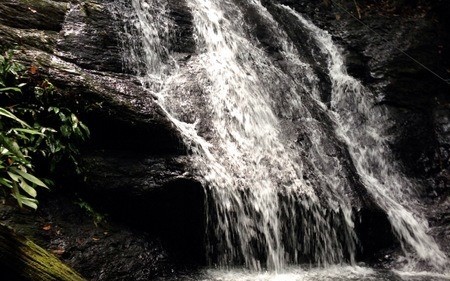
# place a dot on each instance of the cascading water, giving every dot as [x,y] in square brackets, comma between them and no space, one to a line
[360,125]
[274,199]
[255,177]
[263,211]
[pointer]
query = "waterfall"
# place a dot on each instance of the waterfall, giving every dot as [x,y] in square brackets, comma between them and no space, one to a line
[361,125]
[275,196]
[255,178]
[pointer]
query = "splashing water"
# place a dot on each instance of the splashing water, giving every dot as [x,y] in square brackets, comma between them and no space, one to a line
[256,180]
[360,125]
[272,199]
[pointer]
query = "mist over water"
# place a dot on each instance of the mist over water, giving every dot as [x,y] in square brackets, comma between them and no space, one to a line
[266,146]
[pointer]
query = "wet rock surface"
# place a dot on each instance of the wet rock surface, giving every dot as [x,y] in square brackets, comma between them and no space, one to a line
[136,163]
[375,48]
[42,15]
[106,251]
[377,39]
[89,38]
[135,158]
[152,194]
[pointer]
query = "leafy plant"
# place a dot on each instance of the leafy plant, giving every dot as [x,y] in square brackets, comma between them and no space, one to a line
[64,129]
[15,165]
[96,216]
[9,71]
[33,129]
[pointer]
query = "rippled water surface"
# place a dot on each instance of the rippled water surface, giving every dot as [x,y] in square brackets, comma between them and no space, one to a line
[337,273]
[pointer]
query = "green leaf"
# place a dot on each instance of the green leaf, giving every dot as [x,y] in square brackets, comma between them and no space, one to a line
[54,109]
[28,189]
[5,182]
[18,135]
[48,182]
[23,200]
[14,177]
[29,131]
[16,194]
[29,177]
[8,114]
[12,89]
[45,129]
[74,119]
[62,116]
[32,203]
[65,131]
[85,128]
[13,147]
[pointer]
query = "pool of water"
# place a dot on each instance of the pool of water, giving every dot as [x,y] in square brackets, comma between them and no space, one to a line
[346,273]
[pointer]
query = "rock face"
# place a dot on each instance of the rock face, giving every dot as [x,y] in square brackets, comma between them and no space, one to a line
[135,162]
[376,53]
[138,168]
[107,251]
[385,48]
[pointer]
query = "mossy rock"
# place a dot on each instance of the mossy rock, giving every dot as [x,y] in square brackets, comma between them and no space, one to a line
[22,259]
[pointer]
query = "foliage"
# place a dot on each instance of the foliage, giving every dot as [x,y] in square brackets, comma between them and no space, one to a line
[96,216]
[15,165]
[33,128]
[63,129]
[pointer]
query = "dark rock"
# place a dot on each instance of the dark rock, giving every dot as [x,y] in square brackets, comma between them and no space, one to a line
[417,105]
[155,195]
[356,63]
[182,40]
[306,48]
[120,113]
[108,251]
[375,234]
[30,38]
[135,168]
[113,171]
[27,14]
[261,29]
[90,38]
[136,162]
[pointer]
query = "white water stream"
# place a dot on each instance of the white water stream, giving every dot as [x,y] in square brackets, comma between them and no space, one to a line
[361,125]
[272,201]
